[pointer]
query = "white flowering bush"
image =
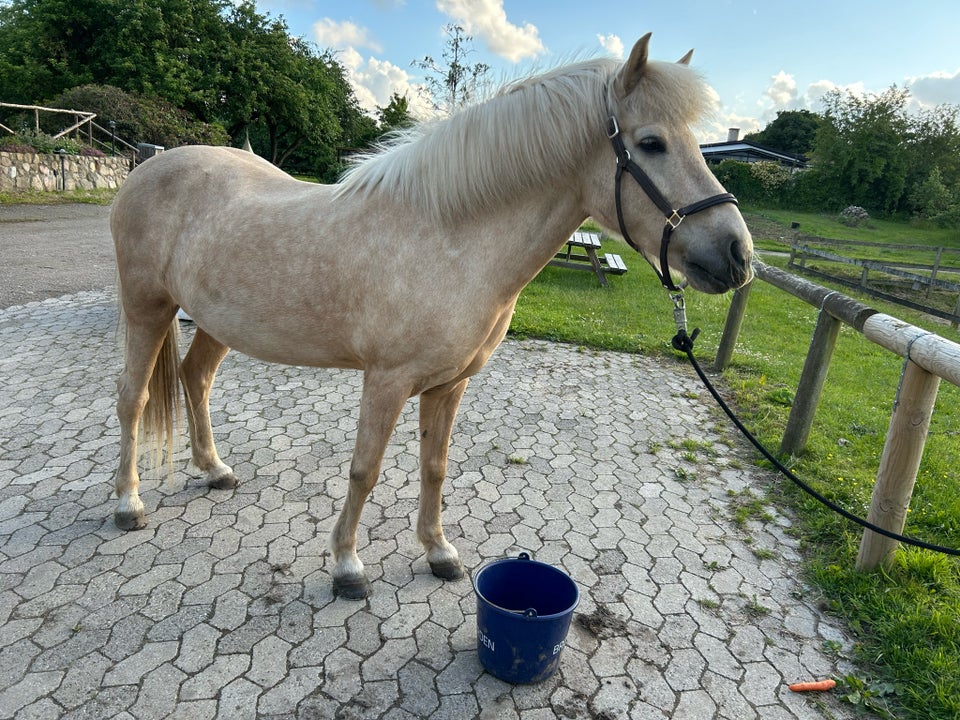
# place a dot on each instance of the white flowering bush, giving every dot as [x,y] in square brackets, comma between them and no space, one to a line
[854,215]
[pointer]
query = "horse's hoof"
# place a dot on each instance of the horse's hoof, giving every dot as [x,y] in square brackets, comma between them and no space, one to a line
[352,587]
[226,482]
[129,520]
[447,570]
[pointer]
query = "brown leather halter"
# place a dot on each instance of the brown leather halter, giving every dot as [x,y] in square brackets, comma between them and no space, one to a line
[673,216]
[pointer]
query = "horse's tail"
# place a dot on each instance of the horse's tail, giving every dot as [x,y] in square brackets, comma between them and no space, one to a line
[162,418]
[163,413]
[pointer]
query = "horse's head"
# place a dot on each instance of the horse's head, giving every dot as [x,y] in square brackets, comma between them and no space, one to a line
[660,194]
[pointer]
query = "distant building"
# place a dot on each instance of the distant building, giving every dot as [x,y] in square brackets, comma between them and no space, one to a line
[746,151]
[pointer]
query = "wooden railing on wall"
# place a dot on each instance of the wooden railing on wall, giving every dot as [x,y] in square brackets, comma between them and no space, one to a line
[83,124]
[927,358]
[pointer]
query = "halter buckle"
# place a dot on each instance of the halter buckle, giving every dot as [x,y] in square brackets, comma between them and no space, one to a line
[613,127]
[674,220]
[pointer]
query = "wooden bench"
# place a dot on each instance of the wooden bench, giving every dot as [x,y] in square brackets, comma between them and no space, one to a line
[589,243]
[614,264]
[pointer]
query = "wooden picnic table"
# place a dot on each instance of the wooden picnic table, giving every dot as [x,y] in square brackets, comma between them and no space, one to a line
[589,242]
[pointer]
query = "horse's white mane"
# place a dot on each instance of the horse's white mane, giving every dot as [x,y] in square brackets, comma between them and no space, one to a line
[531,131]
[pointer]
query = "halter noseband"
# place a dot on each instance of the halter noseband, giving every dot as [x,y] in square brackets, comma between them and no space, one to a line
[673,216]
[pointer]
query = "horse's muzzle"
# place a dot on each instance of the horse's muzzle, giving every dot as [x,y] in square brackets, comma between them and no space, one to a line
[716,273]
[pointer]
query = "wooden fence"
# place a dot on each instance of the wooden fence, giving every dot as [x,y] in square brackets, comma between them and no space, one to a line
[84,126]
[927,358]
[913,279]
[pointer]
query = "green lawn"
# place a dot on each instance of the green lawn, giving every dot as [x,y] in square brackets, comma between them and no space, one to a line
[102,196]
[907,620]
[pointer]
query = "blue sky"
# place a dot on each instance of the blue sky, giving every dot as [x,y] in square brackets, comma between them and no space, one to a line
[760,57]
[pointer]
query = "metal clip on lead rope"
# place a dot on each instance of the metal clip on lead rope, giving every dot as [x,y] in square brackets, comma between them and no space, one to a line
[679,311]
[681,341]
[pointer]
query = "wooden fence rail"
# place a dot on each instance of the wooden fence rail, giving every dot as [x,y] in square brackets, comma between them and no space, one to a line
[927,358]
[84,122]
[925,280]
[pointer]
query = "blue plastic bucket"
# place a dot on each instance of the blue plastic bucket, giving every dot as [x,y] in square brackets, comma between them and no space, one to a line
[524,609]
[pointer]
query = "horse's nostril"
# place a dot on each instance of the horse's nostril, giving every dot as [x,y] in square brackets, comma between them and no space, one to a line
[737,255]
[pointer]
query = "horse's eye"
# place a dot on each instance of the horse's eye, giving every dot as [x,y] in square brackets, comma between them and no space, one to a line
[652,145]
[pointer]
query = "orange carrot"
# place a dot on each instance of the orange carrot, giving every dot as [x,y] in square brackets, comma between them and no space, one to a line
[820,685]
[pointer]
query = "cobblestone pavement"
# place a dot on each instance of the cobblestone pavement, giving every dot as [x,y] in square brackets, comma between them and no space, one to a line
[222,607]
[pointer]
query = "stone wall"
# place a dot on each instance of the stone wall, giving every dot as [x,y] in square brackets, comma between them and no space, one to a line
[35,171]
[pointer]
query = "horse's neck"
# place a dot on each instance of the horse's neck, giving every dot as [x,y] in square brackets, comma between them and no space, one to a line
[517,240]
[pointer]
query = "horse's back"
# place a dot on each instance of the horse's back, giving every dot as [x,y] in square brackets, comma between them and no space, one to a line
[190,174]
[193,187]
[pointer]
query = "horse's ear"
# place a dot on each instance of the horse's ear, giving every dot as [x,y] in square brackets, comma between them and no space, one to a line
[685,60]
[633,68]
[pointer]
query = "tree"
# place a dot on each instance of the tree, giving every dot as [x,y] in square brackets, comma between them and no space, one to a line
[933,143]
[396,115]
[860,150]
[454,84]
[164,48]
[793,131]
[931,197]
[218,62]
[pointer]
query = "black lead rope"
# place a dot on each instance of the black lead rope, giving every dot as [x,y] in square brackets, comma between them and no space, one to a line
[684,343]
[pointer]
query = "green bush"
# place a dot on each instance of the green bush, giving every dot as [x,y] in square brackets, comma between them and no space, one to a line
[14,144]
[142,119]
[43,143]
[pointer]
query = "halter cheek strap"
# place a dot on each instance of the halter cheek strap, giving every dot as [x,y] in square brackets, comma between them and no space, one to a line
[673,217]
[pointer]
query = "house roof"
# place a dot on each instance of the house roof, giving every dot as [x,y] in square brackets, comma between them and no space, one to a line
[747,151]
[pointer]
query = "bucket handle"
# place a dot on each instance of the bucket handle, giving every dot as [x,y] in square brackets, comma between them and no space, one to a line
[529,612]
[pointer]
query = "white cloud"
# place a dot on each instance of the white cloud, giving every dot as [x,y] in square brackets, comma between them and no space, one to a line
[487,20]
[718,128]
[935,89]
[782,90]
[340,35]
[612,44]
[374,82]
[816,90]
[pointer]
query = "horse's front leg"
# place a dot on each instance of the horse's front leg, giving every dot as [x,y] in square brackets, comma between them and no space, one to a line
[383,399]
[438,408]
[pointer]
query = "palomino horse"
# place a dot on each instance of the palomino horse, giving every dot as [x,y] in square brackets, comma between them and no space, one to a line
[452,221]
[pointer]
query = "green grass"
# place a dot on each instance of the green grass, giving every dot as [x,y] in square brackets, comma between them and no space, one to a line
[772,232]
[878,231]
[101,196]
[907,619]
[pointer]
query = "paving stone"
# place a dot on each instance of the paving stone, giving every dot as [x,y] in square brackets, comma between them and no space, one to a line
[132,669]
[222,607]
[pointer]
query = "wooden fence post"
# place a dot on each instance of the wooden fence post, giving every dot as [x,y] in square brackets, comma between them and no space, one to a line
[934,270]
[810,388]
[731,329]
[899,463]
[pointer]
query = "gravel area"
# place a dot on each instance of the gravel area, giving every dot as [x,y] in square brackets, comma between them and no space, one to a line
[53,250]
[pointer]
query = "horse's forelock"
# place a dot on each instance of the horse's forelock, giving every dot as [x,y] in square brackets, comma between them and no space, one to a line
[675,91]
[530,131]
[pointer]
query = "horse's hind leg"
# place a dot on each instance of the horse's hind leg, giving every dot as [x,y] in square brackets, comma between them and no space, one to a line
[143,343]
[438,408]
[383,399]
[197,372]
